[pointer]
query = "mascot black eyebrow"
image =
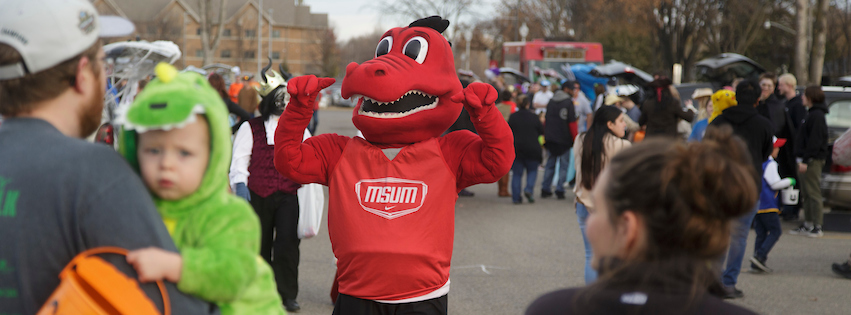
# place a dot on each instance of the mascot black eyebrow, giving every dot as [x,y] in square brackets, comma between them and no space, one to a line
[391,219]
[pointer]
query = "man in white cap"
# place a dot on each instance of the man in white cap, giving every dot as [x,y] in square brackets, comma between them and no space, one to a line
[60,195]
[542,98]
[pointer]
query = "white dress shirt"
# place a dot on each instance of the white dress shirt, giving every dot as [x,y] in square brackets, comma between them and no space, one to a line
[243,143]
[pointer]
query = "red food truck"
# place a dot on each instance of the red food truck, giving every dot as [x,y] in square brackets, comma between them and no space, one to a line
[540,54]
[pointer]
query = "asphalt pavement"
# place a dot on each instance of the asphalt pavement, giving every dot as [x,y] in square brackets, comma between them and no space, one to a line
[506,255]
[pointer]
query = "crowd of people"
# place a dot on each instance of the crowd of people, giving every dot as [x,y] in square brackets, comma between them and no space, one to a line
[784,134]
[665,193]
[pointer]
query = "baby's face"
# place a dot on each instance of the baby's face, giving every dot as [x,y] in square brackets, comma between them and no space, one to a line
[173,162]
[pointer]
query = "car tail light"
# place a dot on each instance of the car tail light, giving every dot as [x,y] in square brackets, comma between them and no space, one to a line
[106,134]
[836,168]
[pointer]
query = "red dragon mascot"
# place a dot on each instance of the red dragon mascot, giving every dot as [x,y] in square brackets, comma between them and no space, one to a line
[393,192]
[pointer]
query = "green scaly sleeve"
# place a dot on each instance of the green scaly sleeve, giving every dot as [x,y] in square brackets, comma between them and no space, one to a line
[223,263]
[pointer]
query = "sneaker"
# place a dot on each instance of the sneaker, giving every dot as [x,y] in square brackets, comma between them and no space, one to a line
[843,269]
[466,193]
[759,264]
[801,230]
[560,195]
[816,232]
[546,194]
[529,197]
[291,305]
[732,293]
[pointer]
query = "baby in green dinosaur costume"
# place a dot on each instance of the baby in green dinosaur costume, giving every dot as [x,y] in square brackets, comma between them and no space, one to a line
[176,134]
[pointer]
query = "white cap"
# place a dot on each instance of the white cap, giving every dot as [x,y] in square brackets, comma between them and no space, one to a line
[49,32]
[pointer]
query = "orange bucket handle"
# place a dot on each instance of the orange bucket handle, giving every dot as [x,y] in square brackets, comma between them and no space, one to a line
[123,252]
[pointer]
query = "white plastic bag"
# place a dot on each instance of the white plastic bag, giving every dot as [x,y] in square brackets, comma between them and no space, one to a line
[311,200]
[842,149]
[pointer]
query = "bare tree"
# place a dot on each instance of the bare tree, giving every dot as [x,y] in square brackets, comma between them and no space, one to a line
[680,31]
[553,16]
[451,10]
[359,49]
[819,40]
[734,26]
[210,41]
[801,43]
[328,53]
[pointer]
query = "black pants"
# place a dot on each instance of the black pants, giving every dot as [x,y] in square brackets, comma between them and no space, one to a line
[279,241]
[349,305]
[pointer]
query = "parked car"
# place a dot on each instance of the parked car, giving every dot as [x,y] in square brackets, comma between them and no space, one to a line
[512,76]
[722,69]
[836,180]
[335,97]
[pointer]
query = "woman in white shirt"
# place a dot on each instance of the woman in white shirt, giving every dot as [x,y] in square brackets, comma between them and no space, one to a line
[593,150]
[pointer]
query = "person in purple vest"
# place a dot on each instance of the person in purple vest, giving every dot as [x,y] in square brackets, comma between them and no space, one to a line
[273,196]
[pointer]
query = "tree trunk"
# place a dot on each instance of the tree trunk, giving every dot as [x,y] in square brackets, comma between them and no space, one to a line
[801,43]
[209,45]
[205,33]
[819,40]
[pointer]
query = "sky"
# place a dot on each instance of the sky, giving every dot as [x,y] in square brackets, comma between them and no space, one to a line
[352,18]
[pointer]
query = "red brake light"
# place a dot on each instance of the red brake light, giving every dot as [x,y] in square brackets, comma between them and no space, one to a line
[106,134]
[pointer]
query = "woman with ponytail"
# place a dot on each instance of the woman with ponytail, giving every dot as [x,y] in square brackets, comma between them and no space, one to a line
[592,151]
[662,215]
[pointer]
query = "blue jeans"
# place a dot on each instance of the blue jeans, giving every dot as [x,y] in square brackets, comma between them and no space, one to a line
[767,227]
[582,217]
[531,167]
[571,167]
[550,171]
[738,241]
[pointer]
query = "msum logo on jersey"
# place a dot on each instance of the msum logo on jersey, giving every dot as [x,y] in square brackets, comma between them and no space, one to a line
[390,197]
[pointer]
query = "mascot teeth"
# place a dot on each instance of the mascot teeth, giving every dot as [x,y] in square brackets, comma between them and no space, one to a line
[396,114]
[411,102]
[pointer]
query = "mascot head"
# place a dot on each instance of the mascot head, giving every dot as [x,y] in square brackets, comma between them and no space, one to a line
[403,94]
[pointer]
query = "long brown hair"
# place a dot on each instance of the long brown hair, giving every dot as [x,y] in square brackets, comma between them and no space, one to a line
[686,195]
[593,148]
[218,84]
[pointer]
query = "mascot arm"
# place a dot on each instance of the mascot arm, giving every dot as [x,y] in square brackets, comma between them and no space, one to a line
[310,161]
[487,157]
[221,265]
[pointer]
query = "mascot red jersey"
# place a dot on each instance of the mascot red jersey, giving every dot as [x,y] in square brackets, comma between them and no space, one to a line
[392,195]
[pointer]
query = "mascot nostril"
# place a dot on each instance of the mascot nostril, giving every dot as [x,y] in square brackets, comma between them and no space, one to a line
[392,193]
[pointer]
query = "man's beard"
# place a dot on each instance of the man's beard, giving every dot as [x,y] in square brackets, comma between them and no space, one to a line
[92,112]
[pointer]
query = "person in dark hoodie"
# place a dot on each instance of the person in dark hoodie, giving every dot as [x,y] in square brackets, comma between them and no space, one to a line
[527,128]
[757,132]
[559,131]
[662,110]
[787,85]
[773,107]
[811,152]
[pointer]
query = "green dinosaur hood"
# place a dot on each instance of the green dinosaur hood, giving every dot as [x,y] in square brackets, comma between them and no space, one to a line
[172,100]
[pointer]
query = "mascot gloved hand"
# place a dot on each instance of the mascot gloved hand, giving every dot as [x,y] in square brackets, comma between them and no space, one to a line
[477,99]
[392,193]
[303,91]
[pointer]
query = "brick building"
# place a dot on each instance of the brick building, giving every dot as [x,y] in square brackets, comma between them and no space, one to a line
[295,37]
